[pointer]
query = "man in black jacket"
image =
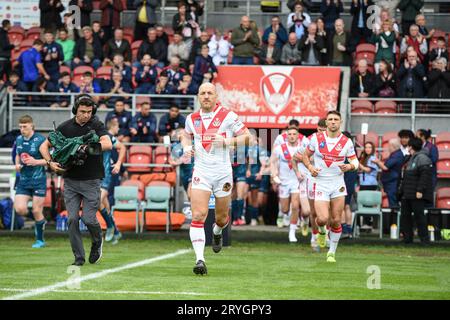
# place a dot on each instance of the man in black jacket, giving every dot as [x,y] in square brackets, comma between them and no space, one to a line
[360,15]
[5,49]
[154,47]
[415,189]
[361,82]
[88,50]
[50,14]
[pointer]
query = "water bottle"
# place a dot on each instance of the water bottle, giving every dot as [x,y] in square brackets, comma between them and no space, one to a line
[394,231]
[357,233]
[58,222]
[63,224]
[431,232]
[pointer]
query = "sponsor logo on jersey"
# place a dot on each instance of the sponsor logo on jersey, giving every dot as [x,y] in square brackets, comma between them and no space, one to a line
[216,123]
[339,147]
[342,189]
[196,180]
[226,187]
[322,145]
[197,123]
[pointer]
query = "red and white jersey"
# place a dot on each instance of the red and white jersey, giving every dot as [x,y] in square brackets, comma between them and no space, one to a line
[330,152]
[284,154]
[283,138]
[203,127]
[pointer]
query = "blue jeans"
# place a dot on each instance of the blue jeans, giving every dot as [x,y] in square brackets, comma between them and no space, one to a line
[242,60]
[391,192]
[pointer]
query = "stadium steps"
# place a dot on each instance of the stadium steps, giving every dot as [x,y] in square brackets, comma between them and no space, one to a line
[6,168]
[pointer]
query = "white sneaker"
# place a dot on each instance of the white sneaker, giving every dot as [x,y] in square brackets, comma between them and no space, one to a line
[280,222]
[254,222]
[286,220]
[292,237]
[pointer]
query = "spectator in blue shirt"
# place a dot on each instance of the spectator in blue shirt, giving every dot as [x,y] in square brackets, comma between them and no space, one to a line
[174,71]
[52,54]
[204,68]
[143,126]
[368,170]
[66,85]
[119,64]
[118,86]
[392,168]
[124,119]
[171,121]
[14,84]
[89,85]
[146,75]
[431,149]
[162,88]
[277,28]
[31,64]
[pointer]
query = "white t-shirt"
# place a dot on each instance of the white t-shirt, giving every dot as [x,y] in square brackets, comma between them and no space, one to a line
[330,152]
[210,159]
[285,171]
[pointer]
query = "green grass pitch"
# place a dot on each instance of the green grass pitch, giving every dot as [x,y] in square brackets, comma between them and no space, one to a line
[247,270]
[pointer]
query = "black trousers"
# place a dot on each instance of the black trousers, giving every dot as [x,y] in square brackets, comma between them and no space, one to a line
[408,207]
[5,69]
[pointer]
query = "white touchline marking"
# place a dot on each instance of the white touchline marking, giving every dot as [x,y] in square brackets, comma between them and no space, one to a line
[111,292]
[96,275]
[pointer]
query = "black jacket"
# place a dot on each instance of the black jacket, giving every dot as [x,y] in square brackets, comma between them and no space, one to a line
[85,10]
[5,45]
[367,82]
[50,14]
[262,54]
[355,11]
[438,84]
[418,76]
[157,50]
[112,49]
[349,48]
[316,47]
[417,177]
[380,83]
[80,49]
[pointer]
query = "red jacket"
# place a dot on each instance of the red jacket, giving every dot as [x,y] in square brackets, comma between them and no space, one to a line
[416,44]
[117,8]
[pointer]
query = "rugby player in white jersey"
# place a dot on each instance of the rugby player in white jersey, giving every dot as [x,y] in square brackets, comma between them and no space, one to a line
[330,148]
[214,129]
[283,175]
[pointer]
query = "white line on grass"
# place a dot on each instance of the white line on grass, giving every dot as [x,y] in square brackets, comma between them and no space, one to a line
[39,291]
[111,292]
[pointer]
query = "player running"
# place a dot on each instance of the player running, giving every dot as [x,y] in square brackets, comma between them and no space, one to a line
[283,175]
[33,179]
[330,148]
[112,232]
[213,128]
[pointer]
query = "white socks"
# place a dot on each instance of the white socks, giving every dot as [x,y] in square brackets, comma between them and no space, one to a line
[197,235]
[218,230]
[335,235]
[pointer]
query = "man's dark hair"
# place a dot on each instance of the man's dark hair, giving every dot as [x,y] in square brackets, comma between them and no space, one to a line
[415,144]
[335,112]
[5,23]
[120,99]
[322,123]
[64,74]
[174,105]
[404,133]
[14,73]
[38,42]
[88,74]
[62,29]
[425,133]
[164,74]
[440,39]
[292,128]
[294,122]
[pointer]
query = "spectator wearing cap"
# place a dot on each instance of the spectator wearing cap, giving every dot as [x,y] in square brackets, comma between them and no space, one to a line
[244,39]
[117,45]
[31,64]
[298,14]
[174,71]
[154,47]
[178,49]
[117,86]
[358,10]
[65,85]
[85,10]
[310,46]
[432,151]
[298,27]
[145,16]
[123,117]
[53,56]
[269,53]
[144,125]
[411,77]
[88,50]
[415,191]
[361,82]
[146,75]
[110,19]
[438,80]
[417,41]
[280,31]
[5,49]
[204,68]
[331,10]
[290,55]
[410,9]
[219,47]
[67,44]
[341,45]
[440,51]
[171,120]
[51,14]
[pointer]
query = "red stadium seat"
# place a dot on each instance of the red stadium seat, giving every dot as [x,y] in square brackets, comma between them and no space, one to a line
[137,183]
[139,155]
[385,106]
[369,56]
[34,33]
[210,31]
[78,73]
[96,5]
[386,137]
[443,142]
[128,34]
[16,33]
[443,198]
[439,33]
[135,48]
[365,47]
[140,100]
[362,106]
[104,72]
[26,44]
[162,157]
[443,165]
[65,68]
[370,137]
